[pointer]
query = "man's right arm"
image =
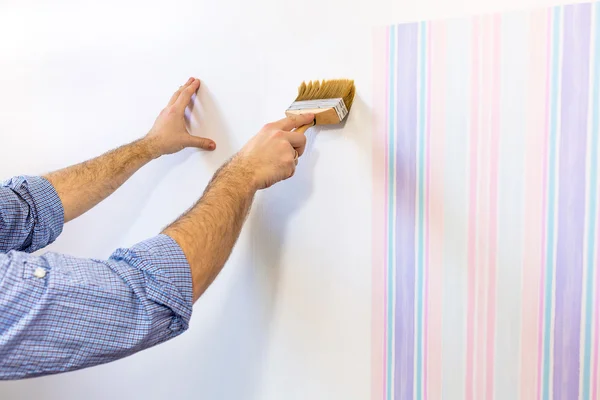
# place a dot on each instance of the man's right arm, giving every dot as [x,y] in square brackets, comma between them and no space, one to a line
[62,313]
[209,230]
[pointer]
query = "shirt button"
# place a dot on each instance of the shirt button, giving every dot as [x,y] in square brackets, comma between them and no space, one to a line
[39,272]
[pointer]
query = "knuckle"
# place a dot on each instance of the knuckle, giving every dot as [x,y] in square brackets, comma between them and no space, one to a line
[284,148]
[268,126]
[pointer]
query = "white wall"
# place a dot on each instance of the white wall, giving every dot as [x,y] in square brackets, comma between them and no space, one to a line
[289,317]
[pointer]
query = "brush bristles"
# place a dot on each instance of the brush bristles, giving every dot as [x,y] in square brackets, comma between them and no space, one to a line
[331,89]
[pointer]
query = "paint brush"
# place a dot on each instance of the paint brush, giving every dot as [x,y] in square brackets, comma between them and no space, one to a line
[329,100]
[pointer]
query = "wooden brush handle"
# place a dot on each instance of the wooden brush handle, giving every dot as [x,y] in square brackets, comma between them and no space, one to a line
[304,128]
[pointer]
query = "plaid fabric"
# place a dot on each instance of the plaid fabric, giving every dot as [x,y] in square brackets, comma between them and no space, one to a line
[31,214]
[60,313]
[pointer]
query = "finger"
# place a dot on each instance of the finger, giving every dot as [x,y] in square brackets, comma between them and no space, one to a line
[293,121]
[178,92]
[292,171]
[201,143]
[297,140]
[186,95]
[174,97]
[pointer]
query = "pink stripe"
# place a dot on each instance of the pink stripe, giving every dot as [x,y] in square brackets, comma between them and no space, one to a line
[472,238]
[484,215]
[378,221]
[426,255]
[534,196]
[595,377]
[435,227]
[493,228]
[544,208]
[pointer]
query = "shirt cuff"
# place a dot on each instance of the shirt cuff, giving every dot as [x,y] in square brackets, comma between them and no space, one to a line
[168,275]
[47,207]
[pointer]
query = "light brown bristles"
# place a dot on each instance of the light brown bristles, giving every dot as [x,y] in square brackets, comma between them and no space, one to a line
[331,89]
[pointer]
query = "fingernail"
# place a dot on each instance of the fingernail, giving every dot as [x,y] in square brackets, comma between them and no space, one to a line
[211,146]
[190,80]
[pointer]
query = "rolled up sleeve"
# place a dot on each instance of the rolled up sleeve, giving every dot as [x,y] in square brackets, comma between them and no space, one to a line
[31,214]
[59,313]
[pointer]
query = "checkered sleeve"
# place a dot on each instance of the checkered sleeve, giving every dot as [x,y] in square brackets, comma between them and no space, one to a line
[60,313]
[31,214]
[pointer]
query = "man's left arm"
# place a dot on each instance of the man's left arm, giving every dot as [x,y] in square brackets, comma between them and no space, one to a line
[83,186]
[34,209]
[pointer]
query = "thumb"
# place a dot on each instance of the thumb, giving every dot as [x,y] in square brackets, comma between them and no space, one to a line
[201,143]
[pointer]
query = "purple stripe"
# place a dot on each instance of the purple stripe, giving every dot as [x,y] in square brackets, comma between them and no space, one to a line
[405,210]
[571,200]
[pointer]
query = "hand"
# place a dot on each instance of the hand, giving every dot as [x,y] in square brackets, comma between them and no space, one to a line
[169,134]
[271,154]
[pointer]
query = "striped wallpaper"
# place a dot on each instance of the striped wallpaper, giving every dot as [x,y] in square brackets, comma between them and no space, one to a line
[485,208]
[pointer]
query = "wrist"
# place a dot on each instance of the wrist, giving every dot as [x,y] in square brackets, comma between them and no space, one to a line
[149,147]
[243,171]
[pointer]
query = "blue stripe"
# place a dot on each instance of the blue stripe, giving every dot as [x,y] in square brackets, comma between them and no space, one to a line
[391,169]
[421,202]
[592,208]
[556,16]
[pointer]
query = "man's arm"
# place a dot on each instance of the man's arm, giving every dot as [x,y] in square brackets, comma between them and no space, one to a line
[209,230]
[34,209]
[79,313]
[84,185]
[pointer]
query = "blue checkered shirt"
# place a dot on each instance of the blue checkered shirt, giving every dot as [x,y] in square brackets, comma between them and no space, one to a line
[60,313]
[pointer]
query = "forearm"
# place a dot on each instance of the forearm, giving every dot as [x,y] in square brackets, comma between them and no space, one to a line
[209,230]
[82,186]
